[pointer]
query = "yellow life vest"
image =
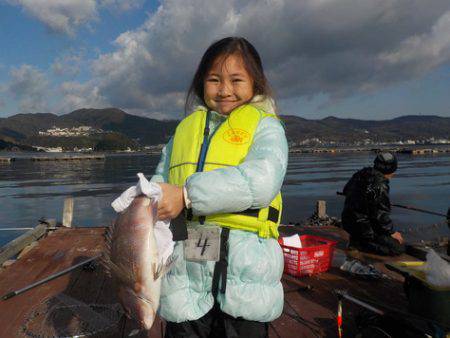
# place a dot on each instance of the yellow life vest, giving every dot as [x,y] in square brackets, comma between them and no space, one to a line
[228,146]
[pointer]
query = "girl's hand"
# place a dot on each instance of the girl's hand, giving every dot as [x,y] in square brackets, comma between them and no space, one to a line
[172,202]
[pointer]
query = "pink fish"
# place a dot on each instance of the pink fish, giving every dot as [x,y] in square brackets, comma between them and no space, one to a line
[132,260]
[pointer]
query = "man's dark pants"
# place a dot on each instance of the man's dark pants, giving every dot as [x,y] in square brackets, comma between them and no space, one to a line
[381,245]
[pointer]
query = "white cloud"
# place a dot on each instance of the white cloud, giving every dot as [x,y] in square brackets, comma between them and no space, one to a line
[425,51]
[122,5]
[66,16]
[62,16]
[336,48]
[67,65]
[79,95]
[30,87]
[152,65]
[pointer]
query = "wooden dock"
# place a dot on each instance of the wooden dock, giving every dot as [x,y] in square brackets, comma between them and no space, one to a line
[308,311]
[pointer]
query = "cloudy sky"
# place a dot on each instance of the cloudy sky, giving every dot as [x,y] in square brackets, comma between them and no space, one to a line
[367,59]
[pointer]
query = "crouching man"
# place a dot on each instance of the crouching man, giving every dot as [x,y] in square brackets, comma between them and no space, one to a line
[367,207]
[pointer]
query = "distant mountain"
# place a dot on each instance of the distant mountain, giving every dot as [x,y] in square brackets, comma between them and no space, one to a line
[333,129]
[20,126]
[145,130]
[24,129]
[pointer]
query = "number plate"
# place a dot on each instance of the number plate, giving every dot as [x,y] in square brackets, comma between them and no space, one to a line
[203,244]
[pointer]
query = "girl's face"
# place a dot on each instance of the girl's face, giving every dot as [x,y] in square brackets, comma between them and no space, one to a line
[227,85]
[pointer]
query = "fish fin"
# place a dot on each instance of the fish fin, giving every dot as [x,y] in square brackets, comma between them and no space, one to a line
[105,266]
[108,234]
[162,269]
[109,231]
[105,258]
[104,261]
[124,277]
[122,273]
[112,269]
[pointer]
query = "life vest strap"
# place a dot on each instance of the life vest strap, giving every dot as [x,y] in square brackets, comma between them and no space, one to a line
[272,216]
[221,267]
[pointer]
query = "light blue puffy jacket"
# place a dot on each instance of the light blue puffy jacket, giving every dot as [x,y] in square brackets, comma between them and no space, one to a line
[253,289]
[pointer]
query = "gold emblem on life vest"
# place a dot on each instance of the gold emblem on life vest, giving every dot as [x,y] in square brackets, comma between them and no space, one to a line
[236,136]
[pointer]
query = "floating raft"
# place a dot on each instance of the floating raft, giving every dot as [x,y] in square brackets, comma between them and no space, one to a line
[6,159]
[309,310]
[68,158]
[53,158]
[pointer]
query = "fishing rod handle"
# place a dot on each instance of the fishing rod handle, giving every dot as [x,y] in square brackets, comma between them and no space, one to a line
[9,295]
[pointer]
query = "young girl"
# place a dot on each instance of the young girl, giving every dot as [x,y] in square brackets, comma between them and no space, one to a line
[225,166]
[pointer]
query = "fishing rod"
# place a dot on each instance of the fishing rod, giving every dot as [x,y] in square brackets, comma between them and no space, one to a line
[413,208]
[344,294]
[423,210]
[49,278]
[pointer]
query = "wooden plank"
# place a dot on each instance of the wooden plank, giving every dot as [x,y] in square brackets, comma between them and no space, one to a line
[68,212]
[54,253]
[15,246]
[289,326]
[317,308]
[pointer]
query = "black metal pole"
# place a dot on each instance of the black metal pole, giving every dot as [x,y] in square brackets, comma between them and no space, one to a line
[49,278]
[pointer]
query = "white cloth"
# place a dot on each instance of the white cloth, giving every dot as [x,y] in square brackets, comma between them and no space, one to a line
[163,235]
[293,241]
[437,270]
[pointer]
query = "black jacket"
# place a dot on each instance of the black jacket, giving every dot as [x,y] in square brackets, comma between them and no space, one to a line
[367,205]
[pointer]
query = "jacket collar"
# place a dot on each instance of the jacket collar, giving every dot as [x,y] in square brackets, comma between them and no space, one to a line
[265,103]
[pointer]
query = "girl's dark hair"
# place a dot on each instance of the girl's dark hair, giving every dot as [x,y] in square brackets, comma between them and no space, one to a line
[223,48]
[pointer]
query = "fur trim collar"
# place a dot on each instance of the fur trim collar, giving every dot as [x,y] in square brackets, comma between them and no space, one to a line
[265,103]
